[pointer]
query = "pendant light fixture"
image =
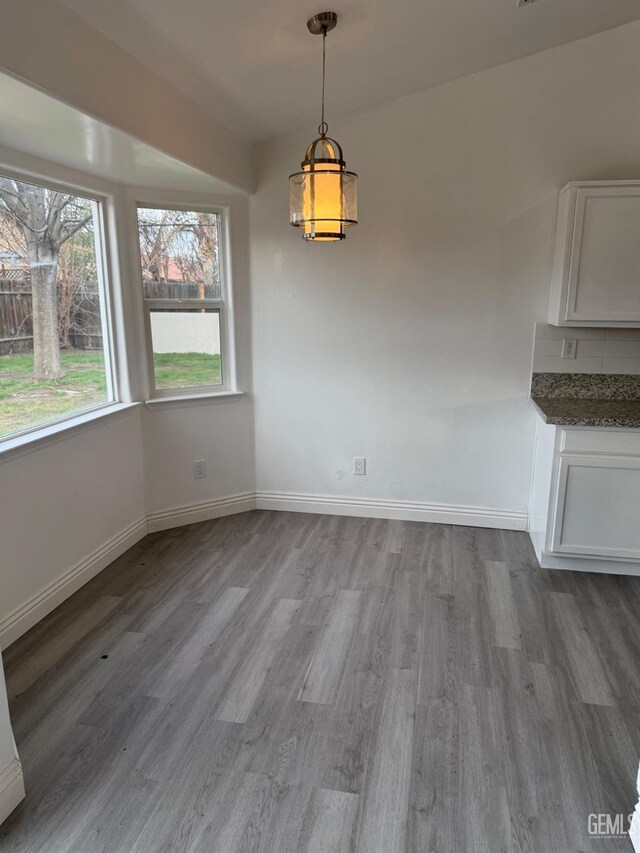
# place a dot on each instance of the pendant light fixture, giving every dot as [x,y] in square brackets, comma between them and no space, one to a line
[323,197]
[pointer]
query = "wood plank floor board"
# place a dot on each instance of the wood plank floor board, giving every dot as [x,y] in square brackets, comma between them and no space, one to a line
[435,773]
[613,631]
[296,750]
[178,812]
[85,754]
[320,592]
[113,824]
[190,653]
[406,630]
[300,574]
[475,636]
[290,683]
[437,658]
[325,670]
[617,752]
[535,809]
[385,799]
[485,820]
[353,712]
[517,550]
[475,647]
[243,691]
[62,644]
[507,633]
[440,564]
[328,823]
[61,705]
[579,782]
[585,666]
[62,684]
[245,815]
[531,609]
[366,566]
[139,673]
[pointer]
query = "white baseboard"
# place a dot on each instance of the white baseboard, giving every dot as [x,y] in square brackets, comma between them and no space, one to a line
[469,516]
[11,788]
[27,615]
[590,564]
[204,511]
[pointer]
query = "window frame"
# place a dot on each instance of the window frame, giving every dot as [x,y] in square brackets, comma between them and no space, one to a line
[223,306]
[104,247]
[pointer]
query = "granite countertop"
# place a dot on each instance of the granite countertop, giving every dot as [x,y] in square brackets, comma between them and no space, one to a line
[595,400]
[567,411]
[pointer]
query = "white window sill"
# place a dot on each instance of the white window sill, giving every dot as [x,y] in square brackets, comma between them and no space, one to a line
[29,442]
[178,400]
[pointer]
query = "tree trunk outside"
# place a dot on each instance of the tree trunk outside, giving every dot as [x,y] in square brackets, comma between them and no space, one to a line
[46,347]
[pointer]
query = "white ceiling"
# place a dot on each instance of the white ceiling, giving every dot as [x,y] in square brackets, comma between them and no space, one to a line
[37,124]
[254,65]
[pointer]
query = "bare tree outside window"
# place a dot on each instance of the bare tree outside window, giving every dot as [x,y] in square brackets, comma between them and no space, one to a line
[179,247]
[51,312]
[47,219]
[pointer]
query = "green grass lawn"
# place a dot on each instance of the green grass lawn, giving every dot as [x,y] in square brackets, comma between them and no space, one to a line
[25,402]
[181,370]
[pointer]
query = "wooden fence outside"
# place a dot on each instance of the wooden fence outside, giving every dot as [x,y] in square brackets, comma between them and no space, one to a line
[180,290]
[16,327]
[84,329]
[16,323]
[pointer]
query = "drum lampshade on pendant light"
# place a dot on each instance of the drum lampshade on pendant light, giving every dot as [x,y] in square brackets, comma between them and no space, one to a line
[323,197]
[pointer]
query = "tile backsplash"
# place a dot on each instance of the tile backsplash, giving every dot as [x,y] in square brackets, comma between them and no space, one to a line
[597,351]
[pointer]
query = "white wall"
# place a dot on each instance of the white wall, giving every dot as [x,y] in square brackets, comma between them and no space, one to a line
[221,433]
[60,504]
[410,342]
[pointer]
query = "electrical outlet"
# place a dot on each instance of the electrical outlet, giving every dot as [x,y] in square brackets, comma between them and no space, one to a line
[199,469]
[359,466]
[569,347]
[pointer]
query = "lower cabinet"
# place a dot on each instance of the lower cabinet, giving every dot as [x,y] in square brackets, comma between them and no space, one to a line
[585,506]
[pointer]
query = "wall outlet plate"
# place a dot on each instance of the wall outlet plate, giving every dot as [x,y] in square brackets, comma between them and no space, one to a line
[359,466]
[569,347]
[199,469]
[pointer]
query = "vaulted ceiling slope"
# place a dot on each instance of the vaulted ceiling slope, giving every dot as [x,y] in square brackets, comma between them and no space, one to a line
[254,66]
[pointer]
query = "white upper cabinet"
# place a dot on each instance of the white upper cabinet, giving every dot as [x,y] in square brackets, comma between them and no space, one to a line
[596,268]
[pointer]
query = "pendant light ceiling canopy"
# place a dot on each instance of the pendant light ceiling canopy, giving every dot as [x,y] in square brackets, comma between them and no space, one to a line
[323,197]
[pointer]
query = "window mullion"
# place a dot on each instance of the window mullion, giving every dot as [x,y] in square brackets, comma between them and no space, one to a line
[210,304]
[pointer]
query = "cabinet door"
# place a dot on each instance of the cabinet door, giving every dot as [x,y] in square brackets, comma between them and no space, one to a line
[597,506]
[599,257]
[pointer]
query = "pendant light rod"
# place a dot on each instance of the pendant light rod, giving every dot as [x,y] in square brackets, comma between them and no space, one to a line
[320,25]
[324,127]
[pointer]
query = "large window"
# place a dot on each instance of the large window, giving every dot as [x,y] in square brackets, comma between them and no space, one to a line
[54,336]
[184,299]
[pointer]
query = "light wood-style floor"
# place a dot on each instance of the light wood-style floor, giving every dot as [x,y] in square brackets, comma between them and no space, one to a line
[290,683]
